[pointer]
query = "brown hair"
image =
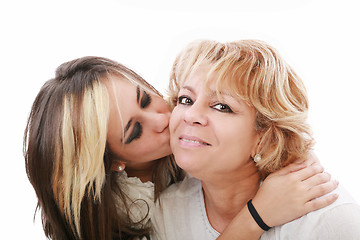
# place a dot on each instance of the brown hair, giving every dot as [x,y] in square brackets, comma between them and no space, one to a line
[254,72]
[67,158]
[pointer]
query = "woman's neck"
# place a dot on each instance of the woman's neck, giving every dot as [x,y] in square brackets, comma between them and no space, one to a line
[226,196]
[143,171]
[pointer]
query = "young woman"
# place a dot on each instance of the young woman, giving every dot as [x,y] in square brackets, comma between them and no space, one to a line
[240,115]
[86,124]
[74,136]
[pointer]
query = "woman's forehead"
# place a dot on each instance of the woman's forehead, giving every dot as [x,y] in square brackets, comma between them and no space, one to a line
[128,79]
[213,82]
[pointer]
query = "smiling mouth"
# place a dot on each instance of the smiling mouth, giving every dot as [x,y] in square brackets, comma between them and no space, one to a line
[194,141]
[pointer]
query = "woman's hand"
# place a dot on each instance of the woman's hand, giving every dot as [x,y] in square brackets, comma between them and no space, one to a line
[294,191]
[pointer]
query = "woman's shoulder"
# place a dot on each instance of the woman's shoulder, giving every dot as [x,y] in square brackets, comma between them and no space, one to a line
[344,201]
[339,220]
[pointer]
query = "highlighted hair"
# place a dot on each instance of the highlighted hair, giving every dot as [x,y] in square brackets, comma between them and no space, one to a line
[79,167]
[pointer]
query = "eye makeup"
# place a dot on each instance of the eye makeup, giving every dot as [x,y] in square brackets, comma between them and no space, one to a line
[184,100]
[221,107]
[144,100]
[135,134]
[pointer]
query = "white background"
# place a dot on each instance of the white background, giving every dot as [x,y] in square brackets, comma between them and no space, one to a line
[319,38]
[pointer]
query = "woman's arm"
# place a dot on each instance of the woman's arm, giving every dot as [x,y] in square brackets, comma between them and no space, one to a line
[285,195]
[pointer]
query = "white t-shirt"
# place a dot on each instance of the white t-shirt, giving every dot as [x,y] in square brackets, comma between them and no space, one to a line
[182,215]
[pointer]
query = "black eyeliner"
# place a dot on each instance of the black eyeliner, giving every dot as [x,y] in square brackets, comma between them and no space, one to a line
[145,100]
[135,134]
[187,98]
[226,110]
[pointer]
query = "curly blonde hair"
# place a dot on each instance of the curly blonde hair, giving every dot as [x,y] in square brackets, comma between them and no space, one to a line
[254,72]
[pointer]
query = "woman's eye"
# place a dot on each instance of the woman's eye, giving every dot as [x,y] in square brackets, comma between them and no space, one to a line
[135,134]
[145,100]
[222,107]
[184,100]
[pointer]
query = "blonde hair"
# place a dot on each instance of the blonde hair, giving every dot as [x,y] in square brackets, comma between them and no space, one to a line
[79,167]
[254,72]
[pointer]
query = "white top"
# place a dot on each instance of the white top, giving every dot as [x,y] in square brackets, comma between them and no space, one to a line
[183,216]
[142,194]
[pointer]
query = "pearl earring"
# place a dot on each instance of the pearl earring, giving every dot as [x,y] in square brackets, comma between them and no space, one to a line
[118,166]
[121,167]
[257,158]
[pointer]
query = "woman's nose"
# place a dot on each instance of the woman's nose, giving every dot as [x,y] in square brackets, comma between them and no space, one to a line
[157,121]
[196,115]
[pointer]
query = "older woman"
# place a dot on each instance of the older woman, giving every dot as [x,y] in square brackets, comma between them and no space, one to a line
[240,115]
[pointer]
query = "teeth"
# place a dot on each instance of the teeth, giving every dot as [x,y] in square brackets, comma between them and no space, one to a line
[193,141]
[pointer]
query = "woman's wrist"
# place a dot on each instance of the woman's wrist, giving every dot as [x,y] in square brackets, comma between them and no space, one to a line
[257,218]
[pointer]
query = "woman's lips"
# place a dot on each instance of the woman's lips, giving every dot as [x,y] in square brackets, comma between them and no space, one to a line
[193,141]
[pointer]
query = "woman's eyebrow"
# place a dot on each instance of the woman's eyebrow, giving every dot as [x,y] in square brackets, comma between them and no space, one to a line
[190,89]
[211,93]
[137,93]
[127,127]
